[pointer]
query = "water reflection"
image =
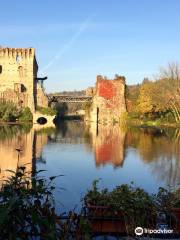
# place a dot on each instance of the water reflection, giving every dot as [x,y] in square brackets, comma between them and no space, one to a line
[160,149]
[108,144]
[71,132]
[108,152]
[20,146]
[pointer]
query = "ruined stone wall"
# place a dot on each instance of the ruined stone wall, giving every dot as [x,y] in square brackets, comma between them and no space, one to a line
[90,91]
[109,100]
[42,99]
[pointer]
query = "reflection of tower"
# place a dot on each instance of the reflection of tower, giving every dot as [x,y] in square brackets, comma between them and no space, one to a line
[40,139]
[18,150]
[108,145]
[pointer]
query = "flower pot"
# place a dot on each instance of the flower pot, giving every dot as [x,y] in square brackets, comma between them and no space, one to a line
[102,211]
[105,220]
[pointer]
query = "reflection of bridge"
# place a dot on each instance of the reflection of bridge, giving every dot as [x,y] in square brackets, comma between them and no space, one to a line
[68,99]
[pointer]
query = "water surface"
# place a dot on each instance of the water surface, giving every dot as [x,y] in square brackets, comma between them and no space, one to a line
[147,156]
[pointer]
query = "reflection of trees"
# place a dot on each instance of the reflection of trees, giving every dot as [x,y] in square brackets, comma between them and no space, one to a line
[159,148]
[108,145]
[62,109]
[7,132]
[68,108]
[168,165]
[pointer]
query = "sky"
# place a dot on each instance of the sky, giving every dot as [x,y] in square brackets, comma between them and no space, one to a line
[76,40]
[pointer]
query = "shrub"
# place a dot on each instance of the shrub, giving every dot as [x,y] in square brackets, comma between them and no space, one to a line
[134,203]
[166,199]
[8,111]
[27,210]
[26,115]
[46,110]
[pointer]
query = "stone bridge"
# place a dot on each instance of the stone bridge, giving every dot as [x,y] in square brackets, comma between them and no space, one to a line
[39,118]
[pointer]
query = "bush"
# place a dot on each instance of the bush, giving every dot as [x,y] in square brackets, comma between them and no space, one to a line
[166,199]
[27,209]
[168,118]
[26,115]
[136,205]
[46,111]
[8,111]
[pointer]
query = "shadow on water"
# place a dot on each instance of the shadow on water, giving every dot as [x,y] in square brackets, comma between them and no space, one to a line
[68,111]
[73,131]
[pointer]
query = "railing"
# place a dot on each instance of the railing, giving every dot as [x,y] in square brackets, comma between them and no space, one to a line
[61,98]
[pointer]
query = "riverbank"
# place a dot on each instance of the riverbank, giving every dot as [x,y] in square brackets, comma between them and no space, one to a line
[150,123]
[129,123]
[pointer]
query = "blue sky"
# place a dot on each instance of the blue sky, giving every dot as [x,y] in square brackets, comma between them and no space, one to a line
[76,40]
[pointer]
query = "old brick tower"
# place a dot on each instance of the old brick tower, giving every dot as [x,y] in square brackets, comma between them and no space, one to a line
[18,78]
[108,103]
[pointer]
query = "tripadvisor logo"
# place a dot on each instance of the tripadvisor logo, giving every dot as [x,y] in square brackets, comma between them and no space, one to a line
[139,231]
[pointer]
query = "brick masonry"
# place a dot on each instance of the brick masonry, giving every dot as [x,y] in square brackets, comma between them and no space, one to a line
[109,100]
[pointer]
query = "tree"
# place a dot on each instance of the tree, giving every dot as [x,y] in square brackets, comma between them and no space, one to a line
[170,82]
[150,99]
[145,101]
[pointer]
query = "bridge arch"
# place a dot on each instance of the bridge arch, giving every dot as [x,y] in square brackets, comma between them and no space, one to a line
[39,118]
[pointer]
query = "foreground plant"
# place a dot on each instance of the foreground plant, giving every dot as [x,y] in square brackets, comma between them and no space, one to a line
[26,207]
[27,210]
[134,204]
[167,199]
[137,207]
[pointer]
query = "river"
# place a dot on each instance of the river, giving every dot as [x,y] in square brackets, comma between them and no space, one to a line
[149,157]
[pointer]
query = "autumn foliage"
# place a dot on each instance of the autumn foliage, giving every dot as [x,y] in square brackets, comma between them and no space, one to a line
[159,97]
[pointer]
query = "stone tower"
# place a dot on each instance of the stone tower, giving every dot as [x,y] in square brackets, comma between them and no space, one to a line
[18,77]
[109,100]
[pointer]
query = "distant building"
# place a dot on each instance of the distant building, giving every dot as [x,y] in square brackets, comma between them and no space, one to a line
[18,78]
